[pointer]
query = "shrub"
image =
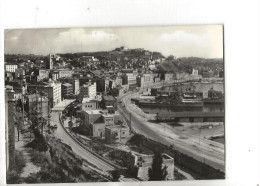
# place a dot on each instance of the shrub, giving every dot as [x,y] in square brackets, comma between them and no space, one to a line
[38,143]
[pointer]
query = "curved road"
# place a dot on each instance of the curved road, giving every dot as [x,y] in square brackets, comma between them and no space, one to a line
[201,152]
[62,134]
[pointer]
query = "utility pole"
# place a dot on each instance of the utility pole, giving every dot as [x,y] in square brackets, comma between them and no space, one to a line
[130,121]
[199,136]
[30,130]
[22,100]
[41,113]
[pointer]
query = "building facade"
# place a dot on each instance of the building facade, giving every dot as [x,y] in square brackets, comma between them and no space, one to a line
[66,90]
[88,90]
[10,67]
[116,134]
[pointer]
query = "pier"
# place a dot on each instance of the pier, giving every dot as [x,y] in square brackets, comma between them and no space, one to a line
[195,117]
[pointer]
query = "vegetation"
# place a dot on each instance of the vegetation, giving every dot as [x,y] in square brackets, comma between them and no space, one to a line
[126,160]
[115,175]
[82,130]
[157,172]
[13,174]
[136,144]
[39,143]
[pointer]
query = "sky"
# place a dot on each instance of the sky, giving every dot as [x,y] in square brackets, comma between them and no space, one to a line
[182,41]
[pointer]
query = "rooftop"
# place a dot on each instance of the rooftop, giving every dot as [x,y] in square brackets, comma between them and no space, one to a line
[93,111]
[67,84]
[109,98]
[86,100]
[117,127]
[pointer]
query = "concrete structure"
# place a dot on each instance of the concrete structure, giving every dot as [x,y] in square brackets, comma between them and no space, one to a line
[144,80]
[49,64]
[144,163]
[19,72]
[74,82]
[10,67]
[117,91]
[66,90]
[116,134]
[109,101]
[65,73]
[54,76]
[195,72]
[97,120]
[89,104]
[129,78]
[43,74]
[53,89]
[102,84]
[88,90]
[190,116]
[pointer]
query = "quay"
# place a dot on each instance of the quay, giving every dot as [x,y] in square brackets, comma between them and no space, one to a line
[195,117]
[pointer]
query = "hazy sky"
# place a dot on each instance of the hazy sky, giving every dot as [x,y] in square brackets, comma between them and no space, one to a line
[181,41]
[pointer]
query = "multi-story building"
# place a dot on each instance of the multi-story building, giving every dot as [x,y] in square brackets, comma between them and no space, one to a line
[54,76]
[9,67]
[117,91]
[49,64]
[88,90]
[97,120]
[144,80]
[65,73]
[90,104]
[129,78]
[102,84]
[66,90]
[19,72]
[43,74]
[74,82]
[53,89]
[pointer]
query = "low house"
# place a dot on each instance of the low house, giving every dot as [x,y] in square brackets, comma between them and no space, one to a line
[117,91]
[109,101]
[116,134]
[97,120]
[89,104]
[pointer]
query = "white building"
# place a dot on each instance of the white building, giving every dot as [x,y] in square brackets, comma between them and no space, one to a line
[65,73]
[54,92]
[88,90]
[43,74]
[10,67]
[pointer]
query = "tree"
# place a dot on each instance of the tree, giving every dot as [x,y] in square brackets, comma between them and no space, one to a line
[157,172]
[115,175]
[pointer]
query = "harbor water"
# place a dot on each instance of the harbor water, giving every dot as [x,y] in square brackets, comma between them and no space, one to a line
[166,111]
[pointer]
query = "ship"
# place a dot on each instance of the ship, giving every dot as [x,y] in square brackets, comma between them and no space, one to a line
[187,99]
[214,97]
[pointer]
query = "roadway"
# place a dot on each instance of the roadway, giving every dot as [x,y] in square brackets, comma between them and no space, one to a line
[199,149]
[67,139]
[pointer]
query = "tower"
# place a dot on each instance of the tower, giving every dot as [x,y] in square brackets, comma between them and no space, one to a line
[49,64]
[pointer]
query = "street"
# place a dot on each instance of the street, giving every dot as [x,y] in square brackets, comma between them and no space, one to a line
[191,145]
[62,134]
